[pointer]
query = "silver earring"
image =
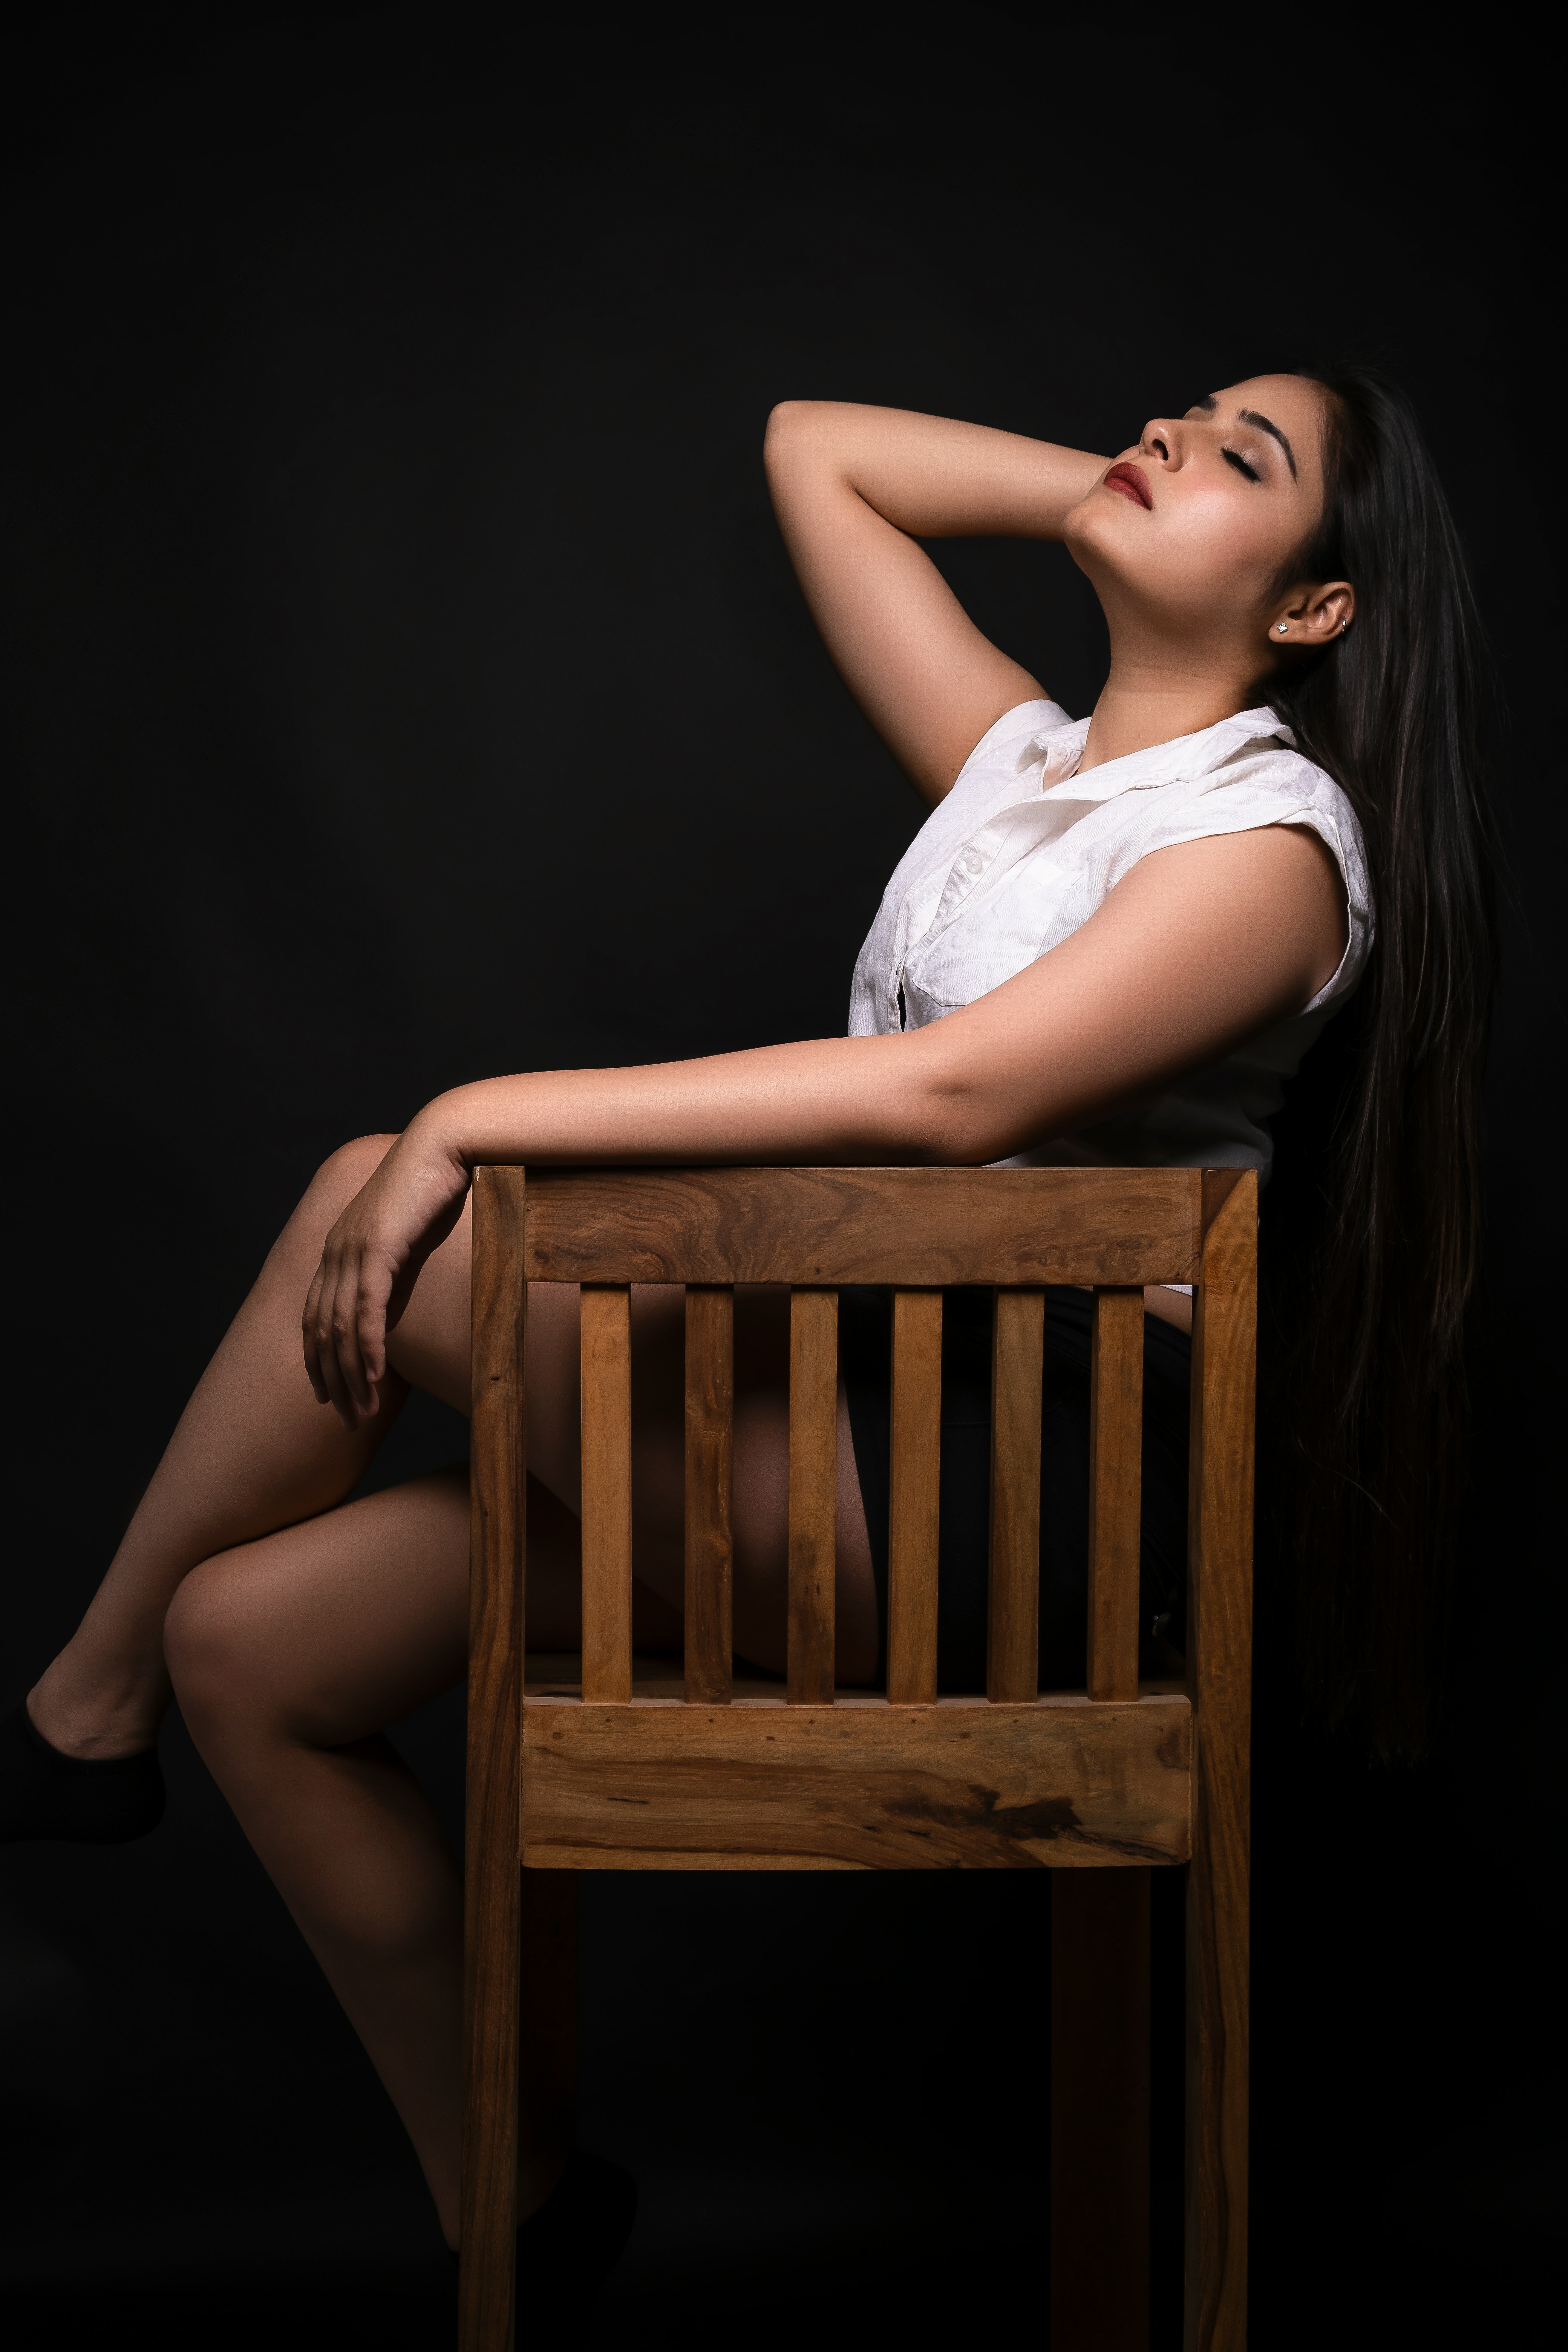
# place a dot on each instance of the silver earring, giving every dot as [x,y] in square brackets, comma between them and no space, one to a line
[1284,628]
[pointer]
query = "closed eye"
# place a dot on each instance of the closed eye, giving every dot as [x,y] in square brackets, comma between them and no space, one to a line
[1234,458]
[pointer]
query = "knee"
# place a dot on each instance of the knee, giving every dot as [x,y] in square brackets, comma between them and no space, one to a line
[207,1649]
[340,1176]
[348,1170]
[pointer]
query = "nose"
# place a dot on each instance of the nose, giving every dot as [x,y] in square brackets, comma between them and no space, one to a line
[1162,438]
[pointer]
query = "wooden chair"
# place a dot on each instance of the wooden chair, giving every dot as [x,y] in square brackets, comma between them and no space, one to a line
[1100,1785]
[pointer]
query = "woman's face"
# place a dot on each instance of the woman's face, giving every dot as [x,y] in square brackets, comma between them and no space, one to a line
[1187,531]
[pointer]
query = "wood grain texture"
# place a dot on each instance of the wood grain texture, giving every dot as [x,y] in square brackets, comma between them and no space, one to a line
[547,2037]
[855,1786]
[1217,1185]
[915,1496]
[1115,1491]
[813,1494]
[1100,2111]
[830,1225]
[1013,1625]
[606,1383]
[1065,1781]
[710,1463]
[492,1834]
[1219,1669]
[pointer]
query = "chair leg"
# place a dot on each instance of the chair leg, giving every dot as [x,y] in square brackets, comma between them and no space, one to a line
[1220,1683]
[493,1808]
[1099,2110]
[547,2031]
[1217,2099]
[490,2118]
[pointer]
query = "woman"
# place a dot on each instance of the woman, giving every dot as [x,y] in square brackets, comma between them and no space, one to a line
[1111,940]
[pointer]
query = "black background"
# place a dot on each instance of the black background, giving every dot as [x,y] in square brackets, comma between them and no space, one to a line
[405,682]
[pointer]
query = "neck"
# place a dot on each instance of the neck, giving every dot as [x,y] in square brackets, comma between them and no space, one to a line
[1153,696]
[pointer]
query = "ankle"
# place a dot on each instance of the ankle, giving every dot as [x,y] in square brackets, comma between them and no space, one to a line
[80,1716]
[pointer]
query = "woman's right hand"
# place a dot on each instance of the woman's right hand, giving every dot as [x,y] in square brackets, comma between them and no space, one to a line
[370,1262]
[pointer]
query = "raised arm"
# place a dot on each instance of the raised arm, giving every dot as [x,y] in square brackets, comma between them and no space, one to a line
[855,488]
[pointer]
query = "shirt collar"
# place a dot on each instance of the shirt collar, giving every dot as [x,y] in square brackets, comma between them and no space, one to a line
[1183,756]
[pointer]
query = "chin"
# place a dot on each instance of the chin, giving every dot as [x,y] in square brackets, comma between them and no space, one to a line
[1078,520]
[1090,536]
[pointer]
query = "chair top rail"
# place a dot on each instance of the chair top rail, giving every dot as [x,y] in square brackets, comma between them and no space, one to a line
[915,1227]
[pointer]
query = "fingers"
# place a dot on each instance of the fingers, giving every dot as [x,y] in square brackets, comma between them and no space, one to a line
[344,1325]
[313,1371]
[363,1305]
[321,1345]
[330,1333]
[372,1318]
[370,1261]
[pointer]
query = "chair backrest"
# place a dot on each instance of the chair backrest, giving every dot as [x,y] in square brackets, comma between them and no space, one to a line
[916,1230]
[1090,1783]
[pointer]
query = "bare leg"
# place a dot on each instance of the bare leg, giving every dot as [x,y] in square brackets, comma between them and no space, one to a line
[252,1451]
[295,1630]
[289,1656]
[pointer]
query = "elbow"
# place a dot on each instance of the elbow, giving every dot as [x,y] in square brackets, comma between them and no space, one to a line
[956,1121]
[971,1142]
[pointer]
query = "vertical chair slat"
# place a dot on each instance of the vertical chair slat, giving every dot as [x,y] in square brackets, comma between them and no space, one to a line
[607,1373]
[813,1492]
[709,1446]
[493,1822]
[1115,1492]
[915,1497]
[1017,1354]
[1220,1683]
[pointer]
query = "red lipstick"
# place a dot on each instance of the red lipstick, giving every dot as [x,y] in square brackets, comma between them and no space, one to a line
[1133,482]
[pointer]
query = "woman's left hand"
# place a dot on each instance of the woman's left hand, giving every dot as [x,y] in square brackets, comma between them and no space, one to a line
[370,1262]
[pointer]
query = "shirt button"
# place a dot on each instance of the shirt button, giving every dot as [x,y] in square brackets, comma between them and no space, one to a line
[972,863]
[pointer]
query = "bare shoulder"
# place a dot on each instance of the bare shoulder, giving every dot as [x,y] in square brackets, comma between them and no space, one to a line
[1276,889]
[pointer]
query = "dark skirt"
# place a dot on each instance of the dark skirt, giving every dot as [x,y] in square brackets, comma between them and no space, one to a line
[865,1349]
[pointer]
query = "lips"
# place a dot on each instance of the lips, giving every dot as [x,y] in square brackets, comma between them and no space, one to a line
[1132,483]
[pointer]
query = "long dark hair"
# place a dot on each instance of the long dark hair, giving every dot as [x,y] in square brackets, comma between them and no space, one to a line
[1367,1297]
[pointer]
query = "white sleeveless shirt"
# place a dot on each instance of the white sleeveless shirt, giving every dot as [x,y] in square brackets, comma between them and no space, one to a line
[1023,850]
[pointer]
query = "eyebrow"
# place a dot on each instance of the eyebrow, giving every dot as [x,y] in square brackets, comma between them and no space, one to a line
[1264,424]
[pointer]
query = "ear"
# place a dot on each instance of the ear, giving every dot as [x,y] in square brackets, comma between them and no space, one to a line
[1313,617]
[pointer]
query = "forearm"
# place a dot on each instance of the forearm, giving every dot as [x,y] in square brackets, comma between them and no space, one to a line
[835,1100]
[855,491]
[1199,947]
[1203,945]
[929,476]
